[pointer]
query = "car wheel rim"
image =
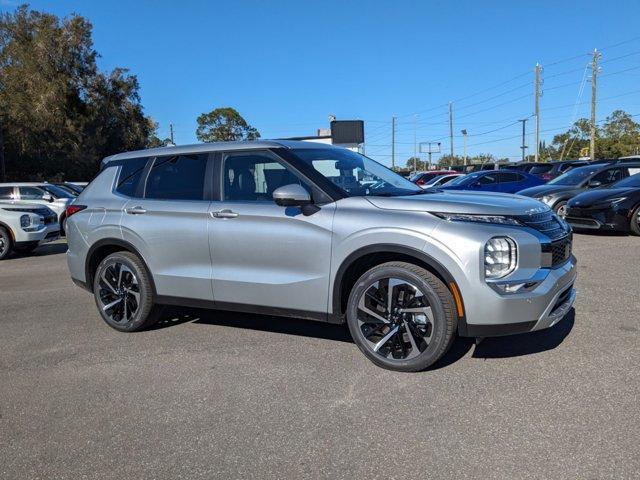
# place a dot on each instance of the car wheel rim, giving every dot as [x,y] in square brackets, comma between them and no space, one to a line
[3,245]
[118,292]
[395,319]
[562,211]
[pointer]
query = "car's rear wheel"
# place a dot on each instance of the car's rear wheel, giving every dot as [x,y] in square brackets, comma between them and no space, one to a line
[123,292]
[635,221]
[401,316]
[561,209]
[5,243]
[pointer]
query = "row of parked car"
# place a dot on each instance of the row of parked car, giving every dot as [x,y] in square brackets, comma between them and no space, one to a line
[588,195]
[33,213]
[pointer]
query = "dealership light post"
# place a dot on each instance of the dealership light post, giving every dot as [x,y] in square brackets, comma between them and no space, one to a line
[464,142]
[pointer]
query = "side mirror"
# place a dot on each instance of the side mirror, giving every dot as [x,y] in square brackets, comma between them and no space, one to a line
[293,195]
[594,184]
[47,197]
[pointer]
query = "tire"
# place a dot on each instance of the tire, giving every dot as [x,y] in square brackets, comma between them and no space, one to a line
[25,250]
[6,245]
[124,294]
[560,208]
[634,223]
[432,323]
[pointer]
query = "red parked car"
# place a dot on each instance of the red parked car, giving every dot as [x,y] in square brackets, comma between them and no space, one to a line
[421,178]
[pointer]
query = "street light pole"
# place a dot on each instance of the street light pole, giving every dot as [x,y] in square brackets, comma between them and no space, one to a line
[464,142]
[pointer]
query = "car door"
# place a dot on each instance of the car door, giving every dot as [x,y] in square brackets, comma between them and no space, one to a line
[264,254]
[167,221]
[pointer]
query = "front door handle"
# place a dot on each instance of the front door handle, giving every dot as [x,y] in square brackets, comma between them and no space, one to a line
[224,214]
[135,210]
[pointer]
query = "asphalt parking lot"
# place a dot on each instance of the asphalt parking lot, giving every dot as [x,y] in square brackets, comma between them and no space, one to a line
[222,395]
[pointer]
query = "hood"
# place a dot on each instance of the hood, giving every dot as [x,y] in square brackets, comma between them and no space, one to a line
[541,190]
[599,194]
[452,201]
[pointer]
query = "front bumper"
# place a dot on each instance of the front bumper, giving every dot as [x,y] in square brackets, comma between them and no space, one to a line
[543,307]
[48,234]
[598,218]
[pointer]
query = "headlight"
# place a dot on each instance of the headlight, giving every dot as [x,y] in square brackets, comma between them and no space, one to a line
[465,217]
[548,199]
[500,257]
[25,221]
[31,223]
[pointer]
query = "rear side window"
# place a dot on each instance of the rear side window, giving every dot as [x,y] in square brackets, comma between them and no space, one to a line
[488,179]
[506,177]
[6,193]
[179,177]
[130,174]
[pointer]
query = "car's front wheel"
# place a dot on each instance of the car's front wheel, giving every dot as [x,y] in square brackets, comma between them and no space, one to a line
[561,208]
[5,243]
[635,221]
[123,292]
[401,316]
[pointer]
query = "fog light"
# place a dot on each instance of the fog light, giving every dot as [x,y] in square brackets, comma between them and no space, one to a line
[500,257]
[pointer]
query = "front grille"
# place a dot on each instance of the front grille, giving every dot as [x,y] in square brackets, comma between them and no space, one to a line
[547,223]
[558,252]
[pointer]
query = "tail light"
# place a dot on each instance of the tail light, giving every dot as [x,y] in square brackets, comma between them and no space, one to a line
[72,209]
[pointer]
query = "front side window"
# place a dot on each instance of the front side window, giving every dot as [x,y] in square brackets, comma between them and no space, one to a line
[178,177]
[31,193]
[130,175]
[57,192]
[254,176]
[355,174]
[609,176]
[488,179]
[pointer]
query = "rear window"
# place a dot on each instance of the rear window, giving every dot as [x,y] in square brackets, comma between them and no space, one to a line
[6,193]
[179,177]
[130,174]
[538,169]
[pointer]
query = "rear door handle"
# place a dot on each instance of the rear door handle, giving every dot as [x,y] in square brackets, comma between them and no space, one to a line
[135,210]
[224,214]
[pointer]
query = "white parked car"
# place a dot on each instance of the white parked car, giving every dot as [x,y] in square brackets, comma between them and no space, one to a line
[24,226]
[39,193]
[441,180]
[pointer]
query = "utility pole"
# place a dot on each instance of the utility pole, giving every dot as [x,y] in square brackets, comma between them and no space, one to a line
[464,141]
[451,128]
[171,133]
[415,143]
[2,169]
[393,142]
[524,136]
[538,94]
[594,78]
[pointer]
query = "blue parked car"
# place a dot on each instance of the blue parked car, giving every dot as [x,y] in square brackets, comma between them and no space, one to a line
[504,181]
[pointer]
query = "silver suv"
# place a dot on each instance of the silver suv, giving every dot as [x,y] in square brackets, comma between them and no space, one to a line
[317,232]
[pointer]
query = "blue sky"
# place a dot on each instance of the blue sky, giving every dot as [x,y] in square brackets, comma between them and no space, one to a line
[286,65]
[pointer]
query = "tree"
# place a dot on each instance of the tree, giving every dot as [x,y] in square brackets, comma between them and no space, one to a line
[59,114]
[224,124]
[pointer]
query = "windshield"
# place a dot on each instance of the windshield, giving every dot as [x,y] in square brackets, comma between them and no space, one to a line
[575,176]
[356,174]
[463,179]
[56,191]
[630,182]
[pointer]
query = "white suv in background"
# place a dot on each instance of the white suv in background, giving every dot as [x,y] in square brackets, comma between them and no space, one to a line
[24,227]
[39,193]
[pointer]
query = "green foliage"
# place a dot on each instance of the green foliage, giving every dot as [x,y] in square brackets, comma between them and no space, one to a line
[618,136]
[224,124]
[59,114]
